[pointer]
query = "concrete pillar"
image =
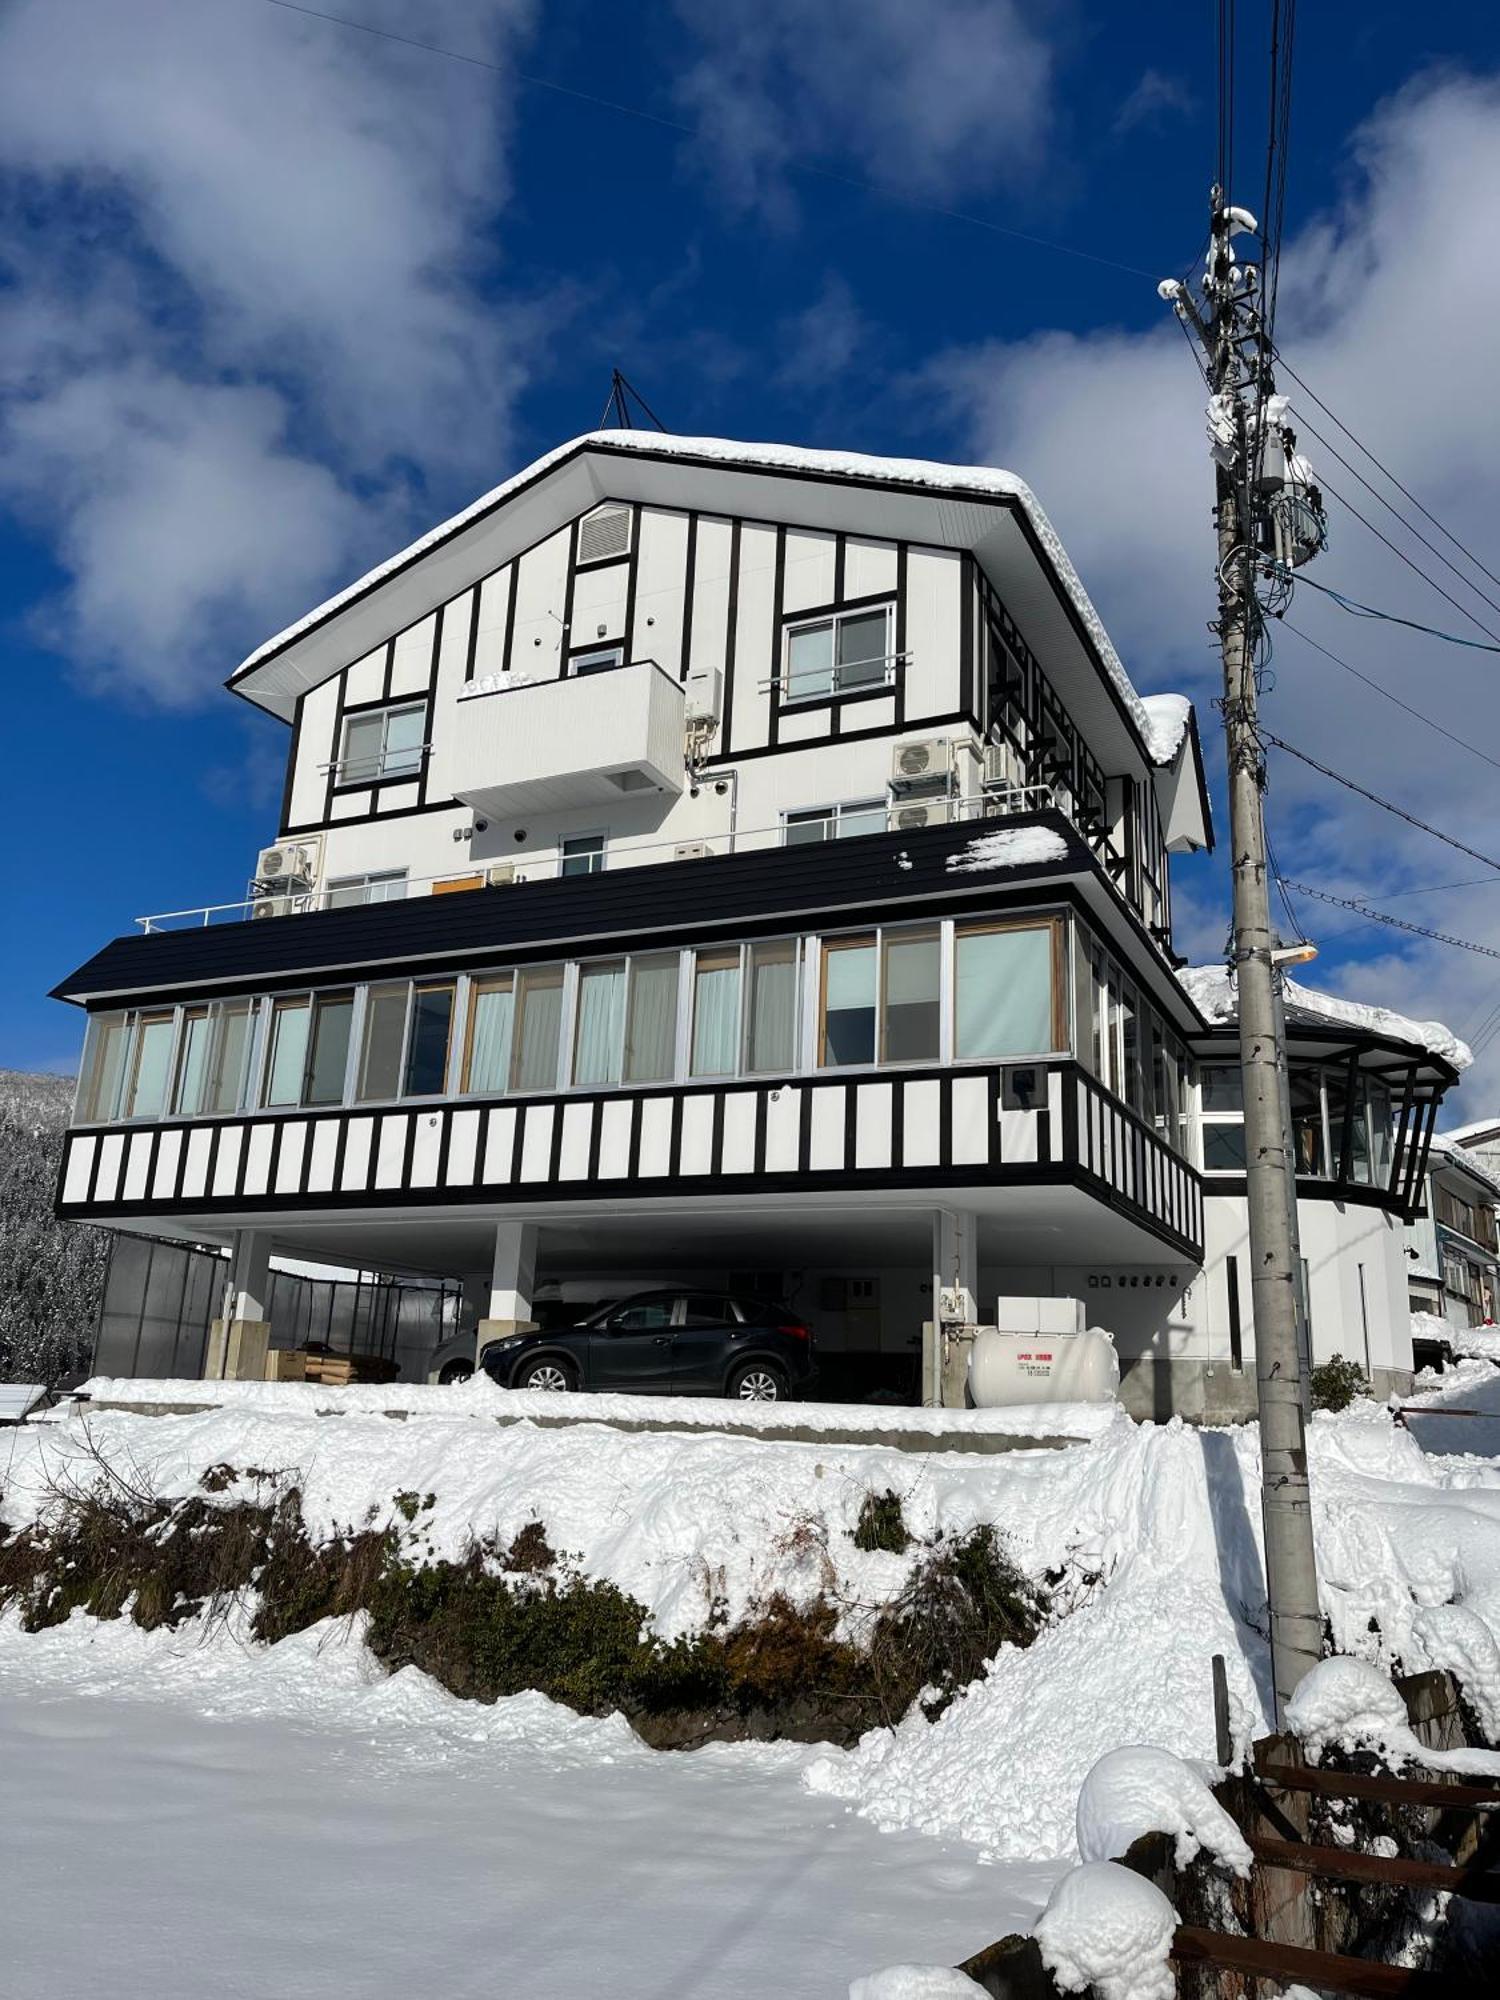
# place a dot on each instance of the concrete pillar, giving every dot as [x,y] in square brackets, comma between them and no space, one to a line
[512,1281]
[240,1338]
[955,1262]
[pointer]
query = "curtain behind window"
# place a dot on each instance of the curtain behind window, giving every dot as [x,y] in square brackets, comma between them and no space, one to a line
[651,1040]
[772,1039]
[1004,998]
[601,1024]
[716,1014]
[489,1038]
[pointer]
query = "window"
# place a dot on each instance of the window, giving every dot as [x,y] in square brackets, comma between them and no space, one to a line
[651,1019]
[487,1058]
[213,1059]
[643,1317]
[538,1028]
[582,854]
[599,1042]
[383,743]
[844,654]
[598,660]
[406,1041]
[309,1049]
[708,1309]
[103,1066]
[836,822]
[771,1007]
[716,1013]
[150,1055]
[351,890]
[911,1004]
[850,973]
[384,1042]
[426,1072]
[1223,1120]
[1003,1001]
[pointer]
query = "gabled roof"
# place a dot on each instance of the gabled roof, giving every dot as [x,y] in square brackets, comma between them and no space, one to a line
[992,513]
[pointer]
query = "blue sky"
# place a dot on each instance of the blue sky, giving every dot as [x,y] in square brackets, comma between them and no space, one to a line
[275,295]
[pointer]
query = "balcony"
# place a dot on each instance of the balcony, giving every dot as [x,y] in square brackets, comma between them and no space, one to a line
[584,740]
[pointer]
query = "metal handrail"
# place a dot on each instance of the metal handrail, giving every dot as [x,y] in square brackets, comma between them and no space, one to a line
[1018,799]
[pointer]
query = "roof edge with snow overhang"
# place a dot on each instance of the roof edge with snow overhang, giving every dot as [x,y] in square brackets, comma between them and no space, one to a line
[1158,730]
[1212,991]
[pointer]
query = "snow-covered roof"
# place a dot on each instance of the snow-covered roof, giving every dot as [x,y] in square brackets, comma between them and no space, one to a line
[1469,1162]
[1212,991]
[1167,719]
[1467,1135]
[982,482]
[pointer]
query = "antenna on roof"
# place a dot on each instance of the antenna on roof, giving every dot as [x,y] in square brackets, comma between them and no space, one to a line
[617,410]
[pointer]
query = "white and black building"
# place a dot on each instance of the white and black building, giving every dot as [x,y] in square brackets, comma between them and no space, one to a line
[727,862]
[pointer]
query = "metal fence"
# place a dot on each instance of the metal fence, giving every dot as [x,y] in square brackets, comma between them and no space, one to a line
[160,1299]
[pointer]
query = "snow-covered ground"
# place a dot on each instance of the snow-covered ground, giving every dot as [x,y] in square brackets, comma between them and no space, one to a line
[285,1800]
[184,1818]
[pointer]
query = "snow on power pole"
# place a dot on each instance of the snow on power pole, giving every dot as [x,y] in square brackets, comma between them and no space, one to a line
[1269,519]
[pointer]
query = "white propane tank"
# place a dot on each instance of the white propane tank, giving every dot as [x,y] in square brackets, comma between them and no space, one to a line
[1009,1368]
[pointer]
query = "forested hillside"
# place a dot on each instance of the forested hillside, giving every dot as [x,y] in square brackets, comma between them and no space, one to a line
[50,1272]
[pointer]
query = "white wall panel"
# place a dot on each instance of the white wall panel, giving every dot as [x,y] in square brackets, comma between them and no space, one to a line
[755,619]
[289,1159]
[614,1139]
[1018,1136]
[872,1129]
[541,600]
[365,680]
[137,1166]
[660,588]
[933,632]
[536,1141]
[808,576]
[578,1126]
[111,1153]
[697,1148]
[499,1144]
[195,1167]
[869,567]
[425,1148]
[920,1133]
[971,1121]
[325,1153]
[168,1153]
[463,1145]
[315,748]
[656,1136]
[227,1162]
[599,599]
[826,1129]
[411,659]
[738,1153]
[80,1165]
[358,1144]
[257,1175]
[783,1130]
[390,1149]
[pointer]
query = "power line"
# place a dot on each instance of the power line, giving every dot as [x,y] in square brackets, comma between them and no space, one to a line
[1359,610]
[1385,470]
[1462,609]
[1406,706]
[885,190]
[1396,923]
[1375,799]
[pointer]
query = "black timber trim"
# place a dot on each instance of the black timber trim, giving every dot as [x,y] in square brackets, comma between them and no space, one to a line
[473,640]
[731,635]
[1358,1194]
[689,584]
[915,488]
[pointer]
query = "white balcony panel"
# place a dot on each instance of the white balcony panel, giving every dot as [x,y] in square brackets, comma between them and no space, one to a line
[614,1138]
[289,1159]
[425,1150]
[971,1129]
[697,1150]
[111,1152]
[463,1148]
[921,1126]
[544,746]
[826,1149]
[739,1132]
[195,1168]
[872,1129]
[500,1143]
[80,1166]
[227,1164]
[137,1163]
[324,1160]
[168,1153]
[578,1127]
[357,1146]
[783,1129]
[390,1152]
[536,1142]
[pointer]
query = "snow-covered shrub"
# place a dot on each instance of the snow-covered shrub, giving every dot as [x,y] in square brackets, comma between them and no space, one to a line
[1336,1383]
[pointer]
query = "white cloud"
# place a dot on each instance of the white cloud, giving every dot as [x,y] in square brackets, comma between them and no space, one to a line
[818,345]
[1388,304]
[245,306]
[1155,97]
[941,98]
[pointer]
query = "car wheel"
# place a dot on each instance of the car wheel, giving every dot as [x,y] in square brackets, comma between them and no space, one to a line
[455,1371]
[552,1376]
[757,1382]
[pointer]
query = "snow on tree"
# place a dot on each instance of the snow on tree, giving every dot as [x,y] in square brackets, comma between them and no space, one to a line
[51,1273]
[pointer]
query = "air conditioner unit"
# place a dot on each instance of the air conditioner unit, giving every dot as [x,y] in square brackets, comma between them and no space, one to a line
[1001,767]
[288,861]
[500,874]
[913,815]
[691,850]
[920,765]
[270,906]
[705,695]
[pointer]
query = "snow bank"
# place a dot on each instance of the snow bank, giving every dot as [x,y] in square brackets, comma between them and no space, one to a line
[1107,1928]
[1211,990]
[1351,1705]
[1012,847]
[1167,718]
[915,1982]
[1139,1790]
[479,1397]
[1475,1343]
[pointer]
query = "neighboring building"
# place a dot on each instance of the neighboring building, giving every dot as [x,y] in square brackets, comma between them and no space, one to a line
[1482,1138]
[746,867]
[1452,1248]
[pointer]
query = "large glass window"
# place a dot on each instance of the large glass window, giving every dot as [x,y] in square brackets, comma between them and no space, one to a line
[383,743]
[151,1053]
[771,1007]
[487,1065]
[351,890]
[651,1019]
[288,1058]
[716,1013]
[328,1054]
[1309,1151]
[835,822]
[599,1044]
[838,655]
[911,993]
[211,1073]
[1004,998]
[538,1028]
[426,1073]
[582,854]
[850,976]
[192,1061]
[384,1042]
[103,1066]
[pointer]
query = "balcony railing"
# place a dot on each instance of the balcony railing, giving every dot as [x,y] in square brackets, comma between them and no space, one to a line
[1010,802]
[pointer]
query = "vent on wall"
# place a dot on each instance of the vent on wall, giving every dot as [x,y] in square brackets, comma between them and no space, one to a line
[604,533]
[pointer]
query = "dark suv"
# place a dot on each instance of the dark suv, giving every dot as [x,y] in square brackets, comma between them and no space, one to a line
[682,1343]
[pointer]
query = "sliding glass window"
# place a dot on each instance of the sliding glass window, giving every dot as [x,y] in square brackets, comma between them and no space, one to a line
[716,1013]
[381,1058]
[1004,993]
[850,978]
[538,1028]
[426,1070]
[911,996]
[651,1019]
[491,1012]
[599,1043]
[150,1063]
[771,1007]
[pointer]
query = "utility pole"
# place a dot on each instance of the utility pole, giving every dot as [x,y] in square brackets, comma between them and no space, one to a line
[1236,364]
